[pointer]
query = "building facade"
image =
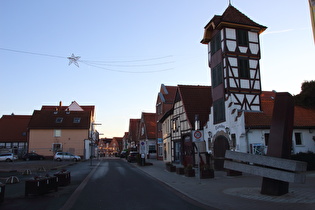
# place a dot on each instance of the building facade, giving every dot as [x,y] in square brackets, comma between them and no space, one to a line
[241,113]
[63,128]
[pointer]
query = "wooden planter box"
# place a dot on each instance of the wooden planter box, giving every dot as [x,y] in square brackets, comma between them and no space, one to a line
[189,172]
[180,171]
[41,186]
[64,178]
[233,173]
[206,174]
[171,168]
[2,191]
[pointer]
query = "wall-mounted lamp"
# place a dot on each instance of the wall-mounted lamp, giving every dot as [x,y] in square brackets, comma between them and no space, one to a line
[210,134]
[227,130]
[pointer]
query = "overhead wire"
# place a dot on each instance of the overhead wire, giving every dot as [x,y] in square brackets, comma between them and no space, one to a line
[112,63]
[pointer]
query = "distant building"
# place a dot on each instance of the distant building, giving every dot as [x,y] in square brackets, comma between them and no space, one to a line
[147,135]
[63,128]
[133,134]
[14,133]
[164,103]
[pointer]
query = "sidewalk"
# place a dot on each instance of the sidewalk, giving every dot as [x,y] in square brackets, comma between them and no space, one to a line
[240,192]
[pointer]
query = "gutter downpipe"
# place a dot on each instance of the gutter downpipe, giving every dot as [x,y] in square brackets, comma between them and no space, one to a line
[247,140]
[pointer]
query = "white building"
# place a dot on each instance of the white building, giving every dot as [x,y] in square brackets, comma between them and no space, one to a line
[241,112]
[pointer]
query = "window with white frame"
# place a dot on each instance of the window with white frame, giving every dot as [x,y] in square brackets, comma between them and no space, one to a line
[57,133]
[298,139]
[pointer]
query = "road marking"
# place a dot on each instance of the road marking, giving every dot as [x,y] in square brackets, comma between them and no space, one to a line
[76,193]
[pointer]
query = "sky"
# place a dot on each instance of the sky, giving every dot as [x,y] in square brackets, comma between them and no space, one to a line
[128,48]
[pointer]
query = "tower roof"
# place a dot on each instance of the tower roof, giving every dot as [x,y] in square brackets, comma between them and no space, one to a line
[231,17]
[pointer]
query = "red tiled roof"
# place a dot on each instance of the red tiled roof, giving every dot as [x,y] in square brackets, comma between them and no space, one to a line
[233,15]
[46,119]
[169,97]
[133,129]
[303,117]
[230,16]
[13,128]
[63,108]
[196,100]
[166,97]
[149,120]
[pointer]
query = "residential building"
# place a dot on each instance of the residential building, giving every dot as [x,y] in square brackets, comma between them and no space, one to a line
[164,103]
[147,135]
[115,146]
[191,105]
[63,128]
[133,134]
[14,133]
[125,141]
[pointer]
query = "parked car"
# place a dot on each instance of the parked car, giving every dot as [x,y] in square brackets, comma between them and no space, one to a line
[59,156]
[123,154]
[8,157]
[33,156]
[132,157]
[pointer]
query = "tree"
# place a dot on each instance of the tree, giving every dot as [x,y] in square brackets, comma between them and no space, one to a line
[306,97]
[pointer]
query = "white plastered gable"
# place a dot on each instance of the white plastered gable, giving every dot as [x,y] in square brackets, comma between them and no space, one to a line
[74,106]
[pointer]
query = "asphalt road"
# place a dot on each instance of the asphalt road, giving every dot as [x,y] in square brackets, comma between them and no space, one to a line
[106,184]
[116,184]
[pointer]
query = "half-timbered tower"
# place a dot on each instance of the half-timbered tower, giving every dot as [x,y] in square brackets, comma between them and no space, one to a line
[234,53]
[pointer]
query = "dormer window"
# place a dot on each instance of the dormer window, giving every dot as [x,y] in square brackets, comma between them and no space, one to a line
[76,120]
[59,120]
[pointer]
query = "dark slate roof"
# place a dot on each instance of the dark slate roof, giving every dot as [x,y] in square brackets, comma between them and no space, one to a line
[303,117]
[13,128]
[196,100]
[231,16]
[46,119]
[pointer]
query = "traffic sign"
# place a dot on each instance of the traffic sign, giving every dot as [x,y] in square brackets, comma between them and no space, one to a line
[197,135]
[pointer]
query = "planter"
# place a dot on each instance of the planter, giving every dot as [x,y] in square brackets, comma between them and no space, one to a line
[64,178]
[233,173]
[2,191]
[189,172]
[171,168]
[180,171]
[207,174]
[41,185]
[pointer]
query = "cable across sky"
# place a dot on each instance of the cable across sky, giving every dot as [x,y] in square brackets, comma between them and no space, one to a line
[139,63]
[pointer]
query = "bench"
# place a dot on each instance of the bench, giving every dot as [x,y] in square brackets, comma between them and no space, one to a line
[266,166]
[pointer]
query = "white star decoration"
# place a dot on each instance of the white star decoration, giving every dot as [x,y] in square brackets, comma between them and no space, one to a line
[74,59]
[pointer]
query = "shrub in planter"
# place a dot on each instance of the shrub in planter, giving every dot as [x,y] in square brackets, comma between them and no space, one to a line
[206,172]
[189,171]
[308,157]
[180,170]
[170,167]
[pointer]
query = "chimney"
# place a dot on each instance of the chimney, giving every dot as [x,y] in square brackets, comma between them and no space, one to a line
[60,103]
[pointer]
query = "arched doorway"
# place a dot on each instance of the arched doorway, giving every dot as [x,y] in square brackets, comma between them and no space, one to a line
[220,145]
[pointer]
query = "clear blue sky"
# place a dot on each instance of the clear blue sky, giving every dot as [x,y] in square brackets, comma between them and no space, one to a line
[160,40]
